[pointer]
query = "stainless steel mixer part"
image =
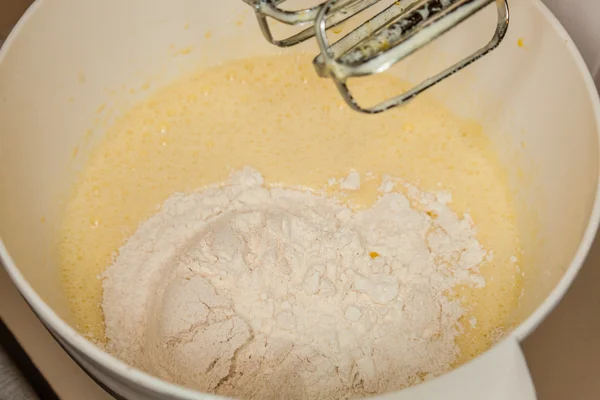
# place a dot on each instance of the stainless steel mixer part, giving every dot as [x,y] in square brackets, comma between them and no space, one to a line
[390,36]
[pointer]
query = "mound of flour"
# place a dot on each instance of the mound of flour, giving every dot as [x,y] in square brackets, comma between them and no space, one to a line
[265,293]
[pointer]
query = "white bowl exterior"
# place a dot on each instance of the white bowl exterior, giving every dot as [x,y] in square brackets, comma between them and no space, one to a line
[66,56]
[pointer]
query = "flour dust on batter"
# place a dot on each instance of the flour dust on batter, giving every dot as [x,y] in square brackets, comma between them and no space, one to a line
[261,293]
[398,229]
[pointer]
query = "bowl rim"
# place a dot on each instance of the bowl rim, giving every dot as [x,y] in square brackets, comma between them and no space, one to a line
[80,344]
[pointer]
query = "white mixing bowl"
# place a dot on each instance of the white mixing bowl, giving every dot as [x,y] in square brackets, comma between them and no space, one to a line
[533,96]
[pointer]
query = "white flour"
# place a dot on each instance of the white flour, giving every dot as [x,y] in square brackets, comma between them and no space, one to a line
[265,293]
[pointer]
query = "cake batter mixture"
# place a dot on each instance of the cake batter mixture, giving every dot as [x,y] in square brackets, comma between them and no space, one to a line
[273,114]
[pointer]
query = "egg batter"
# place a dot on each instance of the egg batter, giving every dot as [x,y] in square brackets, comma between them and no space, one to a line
[276,115]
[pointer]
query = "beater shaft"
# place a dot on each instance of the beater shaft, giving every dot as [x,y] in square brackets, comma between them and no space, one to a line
[268,8]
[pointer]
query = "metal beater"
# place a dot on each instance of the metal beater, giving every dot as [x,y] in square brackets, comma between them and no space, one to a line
[390,36]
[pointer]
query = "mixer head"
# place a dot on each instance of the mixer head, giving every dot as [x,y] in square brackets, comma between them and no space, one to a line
[376,45]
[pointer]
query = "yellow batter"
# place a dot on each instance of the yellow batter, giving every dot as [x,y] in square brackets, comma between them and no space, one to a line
[276,115]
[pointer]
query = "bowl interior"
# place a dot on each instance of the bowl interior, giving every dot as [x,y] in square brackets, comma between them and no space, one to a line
[69,58]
